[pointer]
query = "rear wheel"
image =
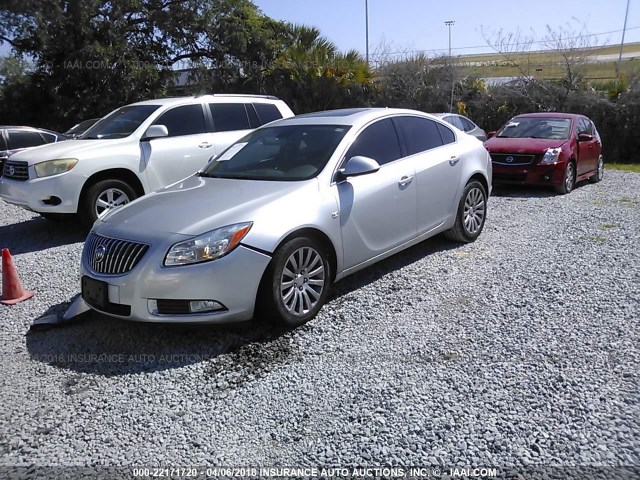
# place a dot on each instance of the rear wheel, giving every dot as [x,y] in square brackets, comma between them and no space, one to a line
[569,179]
[296,284]
[471,214]
[599,175]
[104,196]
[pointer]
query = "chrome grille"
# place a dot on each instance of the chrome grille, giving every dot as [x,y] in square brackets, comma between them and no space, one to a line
[111,256]
[16,170]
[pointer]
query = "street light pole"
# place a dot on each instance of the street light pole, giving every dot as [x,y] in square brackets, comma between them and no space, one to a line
[448,23]
[366,19]
[624,28]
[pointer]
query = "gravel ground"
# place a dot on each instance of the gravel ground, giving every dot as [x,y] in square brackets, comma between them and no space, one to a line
[521,349]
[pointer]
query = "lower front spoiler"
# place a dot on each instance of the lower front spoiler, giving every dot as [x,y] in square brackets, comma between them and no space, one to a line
[541,175]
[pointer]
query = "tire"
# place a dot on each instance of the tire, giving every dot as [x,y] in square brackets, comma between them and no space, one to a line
[599,175]
[294,299]
[118,191]
[471,214]
[569,179]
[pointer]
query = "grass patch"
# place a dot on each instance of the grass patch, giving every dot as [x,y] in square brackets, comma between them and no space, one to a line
[626,201]
[607,226]
[597,239]
[629,167]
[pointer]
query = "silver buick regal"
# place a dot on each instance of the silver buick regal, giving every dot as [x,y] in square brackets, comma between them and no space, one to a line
[272,222]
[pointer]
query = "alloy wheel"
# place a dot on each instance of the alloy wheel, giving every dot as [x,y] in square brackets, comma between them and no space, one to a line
[110,198]
[474,211]
[302,281]
[600,168]
[569,177]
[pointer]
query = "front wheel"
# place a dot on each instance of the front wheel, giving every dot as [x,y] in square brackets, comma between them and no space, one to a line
[104,196]
[296,284]
[568,181]
[471,214]
[599,175]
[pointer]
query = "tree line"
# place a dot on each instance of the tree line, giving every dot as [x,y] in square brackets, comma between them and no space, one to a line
[77,59]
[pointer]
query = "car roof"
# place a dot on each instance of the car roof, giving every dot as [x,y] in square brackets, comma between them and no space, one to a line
[180,100]
[549,115]
[347,116]
[24,127]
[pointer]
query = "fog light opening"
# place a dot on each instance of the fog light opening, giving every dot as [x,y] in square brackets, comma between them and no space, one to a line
[52,200]
[204,306]
[152,306]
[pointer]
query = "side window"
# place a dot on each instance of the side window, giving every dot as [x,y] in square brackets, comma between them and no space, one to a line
[447,135]
[229,116]
[378,141]
[455,121]
[48,137]
[253,116]
[184,120]
[24,139]
[467,126]
[419,134]
[3,142]
[267,112]
[584,126]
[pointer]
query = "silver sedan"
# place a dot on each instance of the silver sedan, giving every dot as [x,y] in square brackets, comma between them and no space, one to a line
[272,222]
[463,123]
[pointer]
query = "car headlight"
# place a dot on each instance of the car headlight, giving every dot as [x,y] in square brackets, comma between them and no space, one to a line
[551,155]
[54,167]
[208,246]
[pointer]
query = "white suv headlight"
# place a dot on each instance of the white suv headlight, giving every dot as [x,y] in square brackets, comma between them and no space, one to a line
[551,155]
[208,246]
[54,167]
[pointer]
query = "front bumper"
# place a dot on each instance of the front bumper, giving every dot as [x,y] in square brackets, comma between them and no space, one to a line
[536,174]
[41,194]
[232,280]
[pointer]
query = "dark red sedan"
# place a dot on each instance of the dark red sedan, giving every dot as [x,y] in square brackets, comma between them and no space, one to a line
[558,149]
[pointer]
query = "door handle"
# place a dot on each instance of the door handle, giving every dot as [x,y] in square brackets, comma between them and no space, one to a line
[405,180]
[453,160]
[206,145]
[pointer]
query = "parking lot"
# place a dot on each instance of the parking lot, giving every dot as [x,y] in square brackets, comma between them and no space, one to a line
[519,349]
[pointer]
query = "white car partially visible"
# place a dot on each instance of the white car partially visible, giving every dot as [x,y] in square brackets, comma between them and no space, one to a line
[134,150]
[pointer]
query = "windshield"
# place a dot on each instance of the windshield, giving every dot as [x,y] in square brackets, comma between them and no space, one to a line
[287,153]
[531,127]
[121,123]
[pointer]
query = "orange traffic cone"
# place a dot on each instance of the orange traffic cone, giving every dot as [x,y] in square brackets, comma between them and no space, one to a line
[12,291]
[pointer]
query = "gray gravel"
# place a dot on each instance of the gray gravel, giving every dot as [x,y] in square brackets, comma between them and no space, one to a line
[521,349]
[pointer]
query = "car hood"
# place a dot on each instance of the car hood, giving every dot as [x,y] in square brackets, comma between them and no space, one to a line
[522,145]
[66,149]
[196,205]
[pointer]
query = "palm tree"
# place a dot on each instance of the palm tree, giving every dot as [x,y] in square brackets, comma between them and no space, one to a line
[312,74]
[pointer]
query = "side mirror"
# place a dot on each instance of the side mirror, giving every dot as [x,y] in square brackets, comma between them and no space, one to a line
[357,166]
[491,134]
[155,131]
[585,137]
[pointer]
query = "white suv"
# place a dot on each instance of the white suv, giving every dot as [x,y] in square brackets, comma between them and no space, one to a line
[134,150]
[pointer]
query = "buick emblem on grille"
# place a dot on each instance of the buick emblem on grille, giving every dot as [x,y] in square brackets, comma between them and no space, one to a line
[12,170]
[99,253]
[509,159]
